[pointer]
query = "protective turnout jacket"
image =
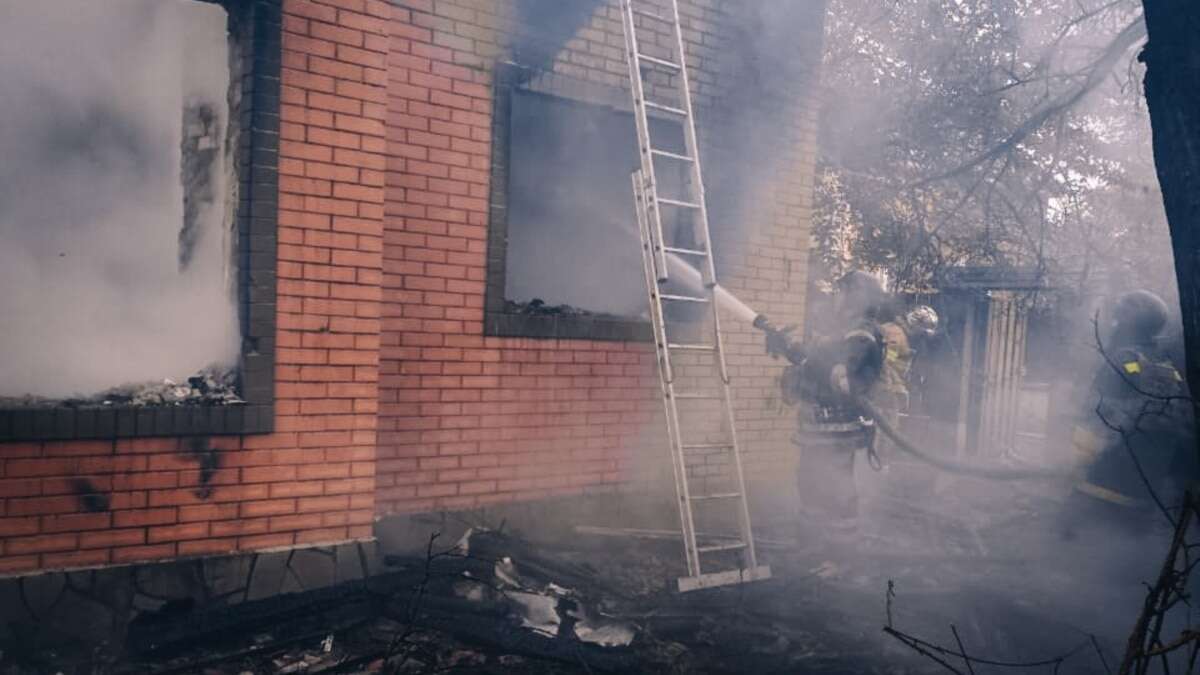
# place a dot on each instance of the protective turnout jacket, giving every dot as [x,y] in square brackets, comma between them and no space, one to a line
[897,359]
[1133,429]
[829,419]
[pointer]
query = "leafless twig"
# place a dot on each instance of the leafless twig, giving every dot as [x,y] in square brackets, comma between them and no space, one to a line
[962,649]
[1144,643]
[940,654]
[414,608]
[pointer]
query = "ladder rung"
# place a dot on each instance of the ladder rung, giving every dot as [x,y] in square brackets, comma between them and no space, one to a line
[666,108]
[685,251]
[733,546]
[658,62]
[718,495]
[699,396]
[707,446]
[651,15]
[676,202]
[691,347]
[682,298]
[715,579]
[670,155]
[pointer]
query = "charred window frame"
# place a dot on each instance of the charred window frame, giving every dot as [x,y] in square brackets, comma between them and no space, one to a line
[256,28]
[498,319]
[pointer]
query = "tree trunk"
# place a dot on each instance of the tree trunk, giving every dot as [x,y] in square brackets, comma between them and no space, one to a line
[1172,58]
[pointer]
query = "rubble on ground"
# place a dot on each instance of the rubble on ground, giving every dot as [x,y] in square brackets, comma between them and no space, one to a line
[495,602]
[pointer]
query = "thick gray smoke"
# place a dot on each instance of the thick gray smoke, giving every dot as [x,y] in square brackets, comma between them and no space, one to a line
[565,240]
[569,199]
[96,289]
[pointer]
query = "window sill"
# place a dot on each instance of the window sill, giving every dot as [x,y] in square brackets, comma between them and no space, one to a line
[47,424]
[502,324]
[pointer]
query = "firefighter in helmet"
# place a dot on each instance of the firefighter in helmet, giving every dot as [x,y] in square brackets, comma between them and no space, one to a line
[922,322]
[926,342]
[828,373]
[1133,434]
[900,338]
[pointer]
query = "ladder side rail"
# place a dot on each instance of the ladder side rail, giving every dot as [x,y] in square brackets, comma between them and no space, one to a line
[678,465]
[740,477]
[735,449]
[709,272]
[710,275]
[642,122]
[657,319]
[682,486]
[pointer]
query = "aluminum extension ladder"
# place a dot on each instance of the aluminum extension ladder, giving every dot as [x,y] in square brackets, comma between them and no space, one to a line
[656,252]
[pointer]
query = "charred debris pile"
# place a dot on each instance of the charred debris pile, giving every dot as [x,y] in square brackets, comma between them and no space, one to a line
[538,307]
[210,387]
[493,602]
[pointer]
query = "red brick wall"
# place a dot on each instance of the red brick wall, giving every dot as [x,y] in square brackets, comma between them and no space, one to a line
[468,420]
[311,481]
[381,359]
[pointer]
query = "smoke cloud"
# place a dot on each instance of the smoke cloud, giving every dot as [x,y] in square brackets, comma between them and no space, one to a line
[96,289]
[565,240]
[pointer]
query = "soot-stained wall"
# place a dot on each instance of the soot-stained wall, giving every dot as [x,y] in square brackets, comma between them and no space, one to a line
[391,392]
[110,501]
[107,277]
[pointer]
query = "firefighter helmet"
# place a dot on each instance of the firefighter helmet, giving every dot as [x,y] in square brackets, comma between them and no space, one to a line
[922,320]
[1141,313]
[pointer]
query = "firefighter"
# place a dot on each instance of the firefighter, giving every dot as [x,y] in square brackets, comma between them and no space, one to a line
[891,395]
[827,373]
[1135,428]
[929,349]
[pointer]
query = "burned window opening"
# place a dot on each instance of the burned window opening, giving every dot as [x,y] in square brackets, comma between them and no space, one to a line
[563,256]
[208,401]
[200,156]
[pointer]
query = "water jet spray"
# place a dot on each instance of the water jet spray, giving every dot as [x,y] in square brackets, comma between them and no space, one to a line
[692,278]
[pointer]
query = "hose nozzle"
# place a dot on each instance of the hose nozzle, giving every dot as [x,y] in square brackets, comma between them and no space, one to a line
[778,340]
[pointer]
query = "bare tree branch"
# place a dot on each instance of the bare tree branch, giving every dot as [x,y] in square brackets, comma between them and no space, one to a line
[1134,32]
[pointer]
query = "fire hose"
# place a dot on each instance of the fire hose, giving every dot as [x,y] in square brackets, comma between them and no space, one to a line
[778,344]
[951,466]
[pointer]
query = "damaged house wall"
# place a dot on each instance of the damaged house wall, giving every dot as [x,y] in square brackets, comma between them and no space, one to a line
[315,147]
[471,415]
[390,393]
[113,195]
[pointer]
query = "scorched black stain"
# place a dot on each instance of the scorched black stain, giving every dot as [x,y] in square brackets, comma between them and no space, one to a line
[200,450]
[200,150]
[92,500]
